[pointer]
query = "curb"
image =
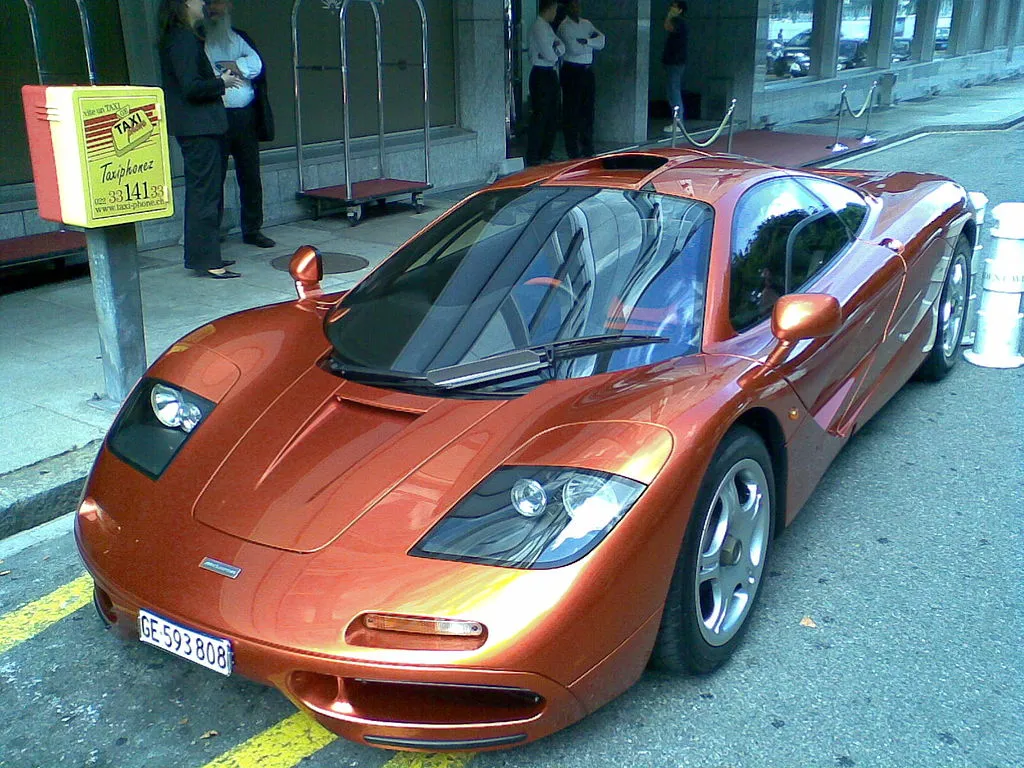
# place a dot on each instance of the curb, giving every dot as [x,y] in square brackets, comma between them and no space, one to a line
[45,490]
[924,130]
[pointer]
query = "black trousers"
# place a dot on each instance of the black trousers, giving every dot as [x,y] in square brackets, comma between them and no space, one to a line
[204,199]
[543,114]
[241,144]
[578,109]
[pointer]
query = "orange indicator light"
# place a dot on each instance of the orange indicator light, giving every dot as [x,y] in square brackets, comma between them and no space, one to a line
[420,626]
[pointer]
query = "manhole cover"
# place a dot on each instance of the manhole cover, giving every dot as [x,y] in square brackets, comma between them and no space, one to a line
[334,263]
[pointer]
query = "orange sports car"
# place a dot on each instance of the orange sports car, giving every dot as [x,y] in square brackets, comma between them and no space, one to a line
[546,442]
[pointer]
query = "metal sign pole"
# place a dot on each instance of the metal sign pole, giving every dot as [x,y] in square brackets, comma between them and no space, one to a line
[113,263]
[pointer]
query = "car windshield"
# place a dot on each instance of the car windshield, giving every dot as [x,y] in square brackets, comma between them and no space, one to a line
[519,269]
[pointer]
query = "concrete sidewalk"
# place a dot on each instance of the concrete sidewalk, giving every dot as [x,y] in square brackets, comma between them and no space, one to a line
[50,365]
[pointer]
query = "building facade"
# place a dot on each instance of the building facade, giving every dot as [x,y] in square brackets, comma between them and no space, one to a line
[782,60]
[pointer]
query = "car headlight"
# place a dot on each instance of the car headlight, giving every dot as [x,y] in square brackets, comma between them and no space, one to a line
[155,422]
[173,409]
[531,517]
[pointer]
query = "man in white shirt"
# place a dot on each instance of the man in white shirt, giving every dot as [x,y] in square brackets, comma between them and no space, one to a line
[581,39]
[228,50]
[545,51]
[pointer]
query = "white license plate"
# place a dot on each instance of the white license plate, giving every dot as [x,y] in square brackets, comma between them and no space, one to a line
[207,651]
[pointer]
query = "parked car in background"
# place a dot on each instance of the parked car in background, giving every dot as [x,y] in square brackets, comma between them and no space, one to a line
[852,54]
[900,49]
[942,39]
[792,59]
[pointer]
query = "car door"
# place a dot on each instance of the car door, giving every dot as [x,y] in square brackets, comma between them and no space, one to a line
[788,240]
[872,280]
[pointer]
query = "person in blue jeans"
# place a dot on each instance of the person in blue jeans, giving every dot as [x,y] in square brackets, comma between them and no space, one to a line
[674,57]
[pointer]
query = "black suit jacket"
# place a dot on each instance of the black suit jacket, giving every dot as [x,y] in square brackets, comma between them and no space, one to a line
[192,92]
[264,117]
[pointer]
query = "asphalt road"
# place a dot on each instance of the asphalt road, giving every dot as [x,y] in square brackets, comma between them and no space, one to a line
[907,559]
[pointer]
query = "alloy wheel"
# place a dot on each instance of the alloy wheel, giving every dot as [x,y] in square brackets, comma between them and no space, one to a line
[732,552]
[954,305]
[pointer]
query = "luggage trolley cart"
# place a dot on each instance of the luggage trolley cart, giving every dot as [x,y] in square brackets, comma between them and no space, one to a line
[353,195]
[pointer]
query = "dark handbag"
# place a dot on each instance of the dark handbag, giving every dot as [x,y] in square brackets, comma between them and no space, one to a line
[264,116]
[261,100]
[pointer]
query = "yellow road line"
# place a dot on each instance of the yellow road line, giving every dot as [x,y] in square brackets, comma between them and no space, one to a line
[281,746]
[432,760]
[27,622]
[297,737]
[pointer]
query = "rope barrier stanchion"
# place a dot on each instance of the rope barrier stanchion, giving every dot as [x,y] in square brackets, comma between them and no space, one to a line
[838,146]
[732,121]
[867,138]
[726,122]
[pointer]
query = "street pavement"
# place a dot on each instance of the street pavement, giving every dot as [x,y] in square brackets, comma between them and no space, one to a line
[906,560]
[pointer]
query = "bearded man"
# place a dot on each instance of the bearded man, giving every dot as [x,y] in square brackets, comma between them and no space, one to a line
[231,50]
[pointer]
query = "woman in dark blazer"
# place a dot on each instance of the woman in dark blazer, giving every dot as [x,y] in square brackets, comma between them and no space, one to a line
[196,118]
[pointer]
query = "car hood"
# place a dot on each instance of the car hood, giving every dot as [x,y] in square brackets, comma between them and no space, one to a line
[321,455]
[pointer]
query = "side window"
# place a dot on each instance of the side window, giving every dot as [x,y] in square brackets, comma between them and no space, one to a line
[812,244]
[846,203]
[763,234]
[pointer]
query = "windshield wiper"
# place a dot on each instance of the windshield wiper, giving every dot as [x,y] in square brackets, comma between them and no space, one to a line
[374,375]
[531,359]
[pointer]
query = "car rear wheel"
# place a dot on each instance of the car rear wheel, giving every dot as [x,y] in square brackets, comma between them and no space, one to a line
[721,565]
[952,313]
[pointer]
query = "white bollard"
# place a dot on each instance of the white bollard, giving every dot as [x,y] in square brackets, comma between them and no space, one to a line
[979,200]
[997,341]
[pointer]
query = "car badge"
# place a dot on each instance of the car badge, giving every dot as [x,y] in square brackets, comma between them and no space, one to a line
[231,571]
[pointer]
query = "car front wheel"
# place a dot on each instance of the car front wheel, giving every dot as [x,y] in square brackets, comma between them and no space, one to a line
[721,565]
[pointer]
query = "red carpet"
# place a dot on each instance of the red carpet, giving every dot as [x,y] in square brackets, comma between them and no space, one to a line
[789,149]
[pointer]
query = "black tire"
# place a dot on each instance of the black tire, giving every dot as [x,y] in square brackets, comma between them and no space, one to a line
[949,330]
[685,642]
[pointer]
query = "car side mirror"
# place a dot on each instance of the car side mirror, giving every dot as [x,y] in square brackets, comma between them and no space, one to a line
[800,316]
[307,270]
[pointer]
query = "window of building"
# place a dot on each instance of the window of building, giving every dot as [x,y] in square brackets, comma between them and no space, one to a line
[782,236]
[788,47]
[903,31]
[854,28]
